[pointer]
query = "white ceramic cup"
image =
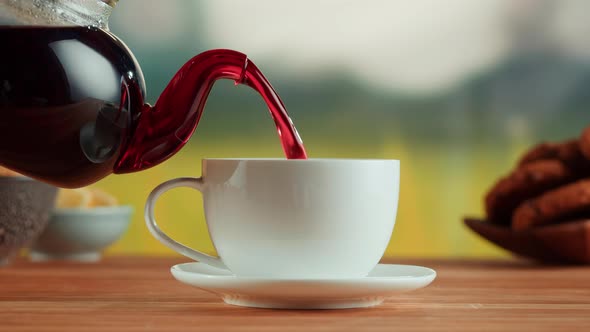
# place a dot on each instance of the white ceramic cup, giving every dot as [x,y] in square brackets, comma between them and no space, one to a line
[280,218]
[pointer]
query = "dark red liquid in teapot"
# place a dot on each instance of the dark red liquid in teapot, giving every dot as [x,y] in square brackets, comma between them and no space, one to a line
[72,104]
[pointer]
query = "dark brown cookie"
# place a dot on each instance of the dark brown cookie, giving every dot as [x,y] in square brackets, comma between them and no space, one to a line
[568,152]
[528,181]
[569,201]
[585,143]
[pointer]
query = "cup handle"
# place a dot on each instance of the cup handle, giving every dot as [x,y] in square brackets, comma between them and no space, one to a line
[150,220]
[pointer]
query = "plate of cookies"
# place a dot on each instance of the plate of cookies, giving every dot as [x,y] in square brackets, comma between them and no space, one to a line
[541,209]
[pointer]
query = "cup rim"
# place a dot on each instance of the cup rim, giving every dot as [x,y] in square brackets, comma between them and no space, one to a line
[320,160]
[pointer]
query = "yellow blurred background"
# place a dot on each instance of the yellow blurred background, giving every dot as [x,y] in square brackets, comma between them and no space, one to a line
[456,90]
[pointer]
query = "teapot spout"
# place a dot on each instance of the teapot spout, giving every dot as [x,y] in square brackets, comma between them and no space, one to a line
[162,130]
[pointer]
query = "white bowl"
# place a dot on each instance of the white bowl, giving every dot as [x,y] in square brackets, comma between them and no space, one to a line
[81,234]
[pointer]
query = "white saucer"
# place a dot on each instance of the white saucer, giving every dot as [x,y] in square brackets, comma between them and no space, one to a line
[384,281]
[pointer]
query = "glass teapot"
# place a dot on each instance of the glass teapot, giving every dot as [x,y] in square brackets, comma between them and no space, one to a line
[72,107]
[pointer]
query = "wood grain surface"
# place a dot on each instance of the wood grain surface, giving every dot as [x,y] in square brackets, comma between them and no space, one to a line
[139,294]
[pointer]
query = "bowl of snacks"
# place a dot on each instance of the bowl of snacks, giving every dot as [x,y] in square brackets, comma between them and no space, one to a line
[541,209]
[84,222]
[25,206]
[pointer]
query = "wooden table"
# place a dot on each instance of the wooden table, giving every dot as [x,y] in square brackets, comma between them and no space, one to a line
[139,294]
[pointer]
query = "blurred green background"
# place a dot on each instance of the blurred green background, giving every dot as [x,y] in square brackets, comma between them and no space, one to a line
[456,90]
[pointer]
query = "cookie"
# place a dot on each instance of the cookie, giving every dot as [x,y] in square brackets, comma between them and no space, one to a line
[528,181]
[567,202]
[568,152]
[585,143]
